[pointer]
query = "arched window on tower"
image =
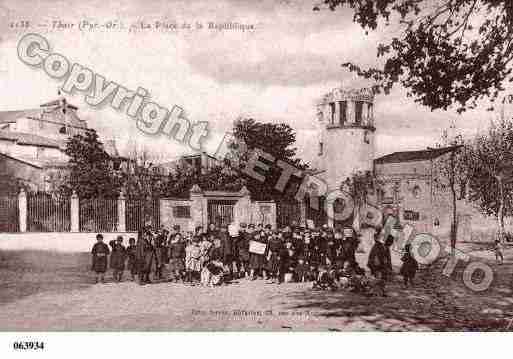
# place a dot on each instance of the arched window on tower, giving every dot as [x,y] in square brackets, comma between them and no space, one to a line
[332,113]
[370,115]
[358,111]
[343,113]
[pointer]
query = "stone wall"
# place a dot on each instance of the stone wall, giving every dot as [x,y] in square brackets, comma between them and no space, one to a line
[167,215]
[57,241]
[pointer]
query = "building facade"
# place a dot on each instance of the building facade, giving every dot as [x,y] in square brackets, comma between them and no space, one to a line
[32,144]
[405,180]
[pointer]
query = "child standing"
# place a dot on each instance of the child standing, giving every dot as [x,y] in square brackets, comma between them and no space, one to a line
[409,267]
[302,270]
[177,255]
[131,254]
[99,253]
[117,258]
[192,260]
[499,254]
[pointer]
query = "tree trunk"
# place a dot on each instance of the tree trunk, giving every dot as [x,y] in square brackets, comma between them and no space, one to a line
[454,224]
[500,212]
[454,221]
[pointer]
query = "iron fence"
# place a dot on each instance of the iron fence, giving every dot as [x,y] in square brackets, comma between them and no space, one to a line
[9,214]
[98,215]
[140,212]
[46,213]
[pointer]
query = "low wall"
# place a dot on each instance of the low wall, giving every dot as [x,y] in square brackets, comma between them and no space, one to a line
[57,241]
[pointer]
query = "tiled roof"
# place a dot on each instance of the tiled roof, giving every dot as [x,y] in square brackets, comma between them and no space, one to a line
[29,139]
[421,155]
[12,116]
[38,163]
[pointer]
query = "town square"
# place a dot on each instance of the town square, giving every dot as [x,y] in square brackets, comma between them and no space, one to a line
[256,167]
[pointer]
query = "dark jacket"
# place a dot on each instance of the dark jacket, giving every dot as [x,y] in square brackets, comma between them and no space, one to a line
[243,246]
[377,262]
[177,250]
[410,265]
[274,251]
[145,255]
[226,246]
[161,251]
[100,253]
[117,256]
[131,254]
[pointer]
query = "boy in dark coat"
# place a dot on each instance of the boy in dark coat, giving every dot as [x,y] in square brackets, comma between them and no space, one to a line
[302,270]
[131,254]
[145,256]
[256,260]
[409,267]
[161,255]
[287,261]
[244,250]
[177,257]
[388,257]
[273,256]
[226,247]
[99,254]
[377,264]
[117,258]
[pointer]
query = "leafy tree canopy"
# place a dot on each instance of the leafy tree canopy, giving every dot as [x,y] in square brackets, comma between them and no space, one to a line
[275,139]
[90,171]
[448,51]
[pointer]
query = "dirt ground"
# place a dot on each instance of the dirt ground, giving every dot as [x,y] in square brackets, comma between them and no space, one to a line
[54,291]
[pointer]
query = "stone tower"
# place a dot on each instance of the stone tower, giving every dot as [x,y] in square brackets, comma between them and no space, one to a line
[346,134]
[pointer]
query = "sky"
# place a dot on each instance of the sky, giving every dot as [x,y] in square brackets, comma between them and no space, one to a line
[274,73]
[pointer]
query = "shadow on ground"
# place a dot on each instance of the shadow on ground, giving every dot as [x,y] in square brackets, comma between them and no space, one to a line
[435,303]
[24,273]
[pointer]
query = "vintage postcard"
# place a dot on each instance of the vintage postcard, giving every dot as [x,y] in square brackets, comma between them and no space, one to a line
[233,165]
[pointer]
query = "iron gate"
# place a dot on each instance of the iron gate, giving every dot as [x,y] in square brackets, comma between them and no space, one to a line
[287,212]
[220,212]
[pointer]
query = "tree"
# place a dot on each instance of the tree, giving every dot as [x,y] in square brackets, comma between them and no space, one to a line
[144,180]
[450,171]
[489,165]
[448,51]
[216,178]
[360,186]
[90,171]
[274,139]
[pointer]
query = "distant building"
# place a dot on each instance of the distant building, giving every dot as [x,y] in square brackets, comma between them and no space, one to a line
[408,190]
[32,143]
[200,162]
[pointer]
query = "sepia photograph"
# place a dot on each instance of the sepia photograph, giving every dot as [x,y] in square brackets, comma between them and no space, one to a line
[281,166]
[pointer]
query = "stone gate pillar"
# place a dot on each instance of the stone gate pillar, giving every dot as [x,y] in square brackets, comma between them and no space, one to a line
[121,212]
[22,206]
[302,213]
[197,206]
[242,210]
[74,209]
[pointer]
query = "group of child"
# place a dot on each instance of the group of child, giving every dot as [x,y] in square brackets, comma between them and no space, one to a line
[119,256]
[215,256]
